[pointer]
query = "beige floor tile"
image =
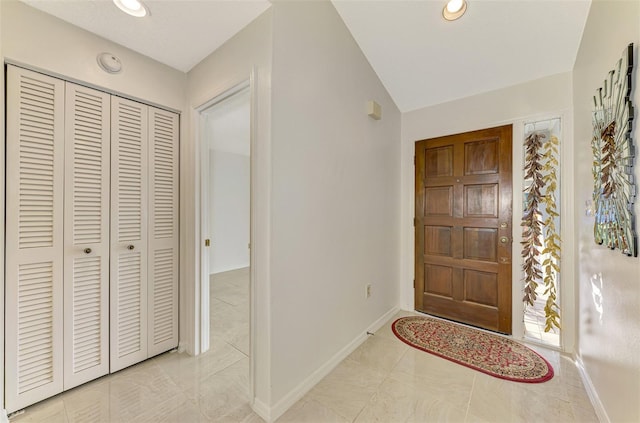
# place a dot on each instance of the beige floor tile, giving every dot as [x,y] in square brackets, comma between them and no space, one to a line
[51,410]
[394,401]
[438,409]
[584,414]
[348,388]
[191,373]
[494,399]
[230,287]
[379,353]
[436,376]
[226,393]
[177,410]
[89,403]
[253,418]
[240,339]
[310,412]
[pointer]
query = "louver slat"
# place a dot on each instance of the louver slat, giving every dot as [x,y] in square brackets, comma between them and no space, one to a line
[87,344]
[129,152]
[35,342]
[34,238]
[163,235]
[163,297]
[87,145]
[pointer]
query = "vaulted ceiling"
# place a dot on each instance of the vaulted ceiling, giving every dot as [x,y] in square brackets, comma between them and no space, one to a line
[420,58]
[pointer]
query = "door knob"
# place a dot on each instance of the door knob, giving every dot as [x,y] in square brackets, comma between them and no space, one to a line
[87,250]
[130,247]
[504,239]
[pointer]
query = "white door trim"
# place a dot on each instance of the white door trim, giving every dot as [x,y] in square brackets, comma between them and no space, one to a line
[202,331]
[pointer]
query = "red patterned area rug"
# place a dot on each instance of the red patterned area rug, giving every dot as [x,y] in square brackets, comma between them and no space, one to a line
[491,354]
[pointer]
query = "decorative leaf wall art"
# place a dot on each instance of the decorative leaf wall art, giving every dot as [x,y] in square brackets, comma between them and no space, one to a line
[613,156]
[541,243]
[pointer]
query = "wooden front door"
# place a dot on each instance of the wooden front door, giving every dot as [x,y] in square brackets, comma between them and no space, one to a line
[463,227]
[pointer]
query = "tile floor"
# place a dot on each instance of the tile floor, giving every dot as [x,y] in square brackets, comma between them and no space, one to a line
[384,380]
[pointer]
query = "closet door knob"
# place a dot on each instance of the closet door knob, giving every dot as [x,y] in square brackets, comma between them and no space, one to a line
[130,247]
[87,250]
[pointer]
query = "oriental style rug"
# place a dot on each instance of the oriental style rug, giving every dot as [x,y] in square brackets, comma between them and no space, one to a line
[491,354]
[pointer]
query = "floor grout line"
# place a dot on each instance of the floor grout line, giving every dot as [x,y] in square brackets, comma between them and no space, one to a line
[473,386]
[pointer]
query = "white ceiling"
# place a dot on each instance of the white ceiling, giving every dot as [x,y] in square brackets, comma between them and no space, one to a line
[179,33]
[420,58]
[424,60]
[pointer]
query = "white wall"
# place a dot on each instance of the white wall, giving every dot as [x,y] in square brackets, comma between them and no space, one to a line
[247,52]
[335,194]
[609,340]
[229,210]
[34,38]
[546,97]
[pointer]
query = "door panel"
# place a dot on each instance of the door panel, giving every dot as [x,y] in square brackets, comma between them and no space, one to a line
[128,289]
[86,235]
[34,237]
[463,227]
[163,231]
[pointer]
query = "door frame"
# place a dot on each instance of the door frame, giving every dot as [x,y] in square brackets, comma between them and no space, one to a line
[203,309]
[569,280]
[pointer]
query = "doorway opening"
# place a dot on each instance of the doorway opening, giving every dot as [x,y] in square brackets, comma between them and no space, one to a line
[225,216]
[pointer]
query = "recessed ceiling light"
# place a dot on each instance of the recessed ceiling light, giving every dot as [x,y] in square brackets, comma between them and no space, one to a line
[454,9]
[132,7]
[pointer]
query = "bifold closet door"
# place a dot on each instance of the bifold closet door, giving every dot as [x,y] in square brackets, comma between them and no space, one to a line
[86,235]
[163,231]
[34,238]
[129,199]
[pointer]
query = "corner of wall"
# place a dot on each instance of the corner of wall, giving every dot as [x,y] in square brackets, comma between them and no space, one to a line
[278,409]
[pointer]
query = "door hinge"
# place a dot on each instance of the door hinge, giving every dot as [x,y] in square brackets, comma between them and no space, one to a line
[414,284]
[414,222]
[207,242]
[414,160]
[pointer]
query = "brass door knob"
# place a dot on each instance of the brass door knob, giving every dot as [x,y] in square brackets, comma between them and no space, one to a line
[130,247]
[87,250]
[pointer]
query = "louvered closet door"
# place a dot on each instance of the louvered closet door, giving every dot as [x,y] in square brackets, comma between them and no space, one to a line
[129,123]
[86,235]
[34,237]
[163,231]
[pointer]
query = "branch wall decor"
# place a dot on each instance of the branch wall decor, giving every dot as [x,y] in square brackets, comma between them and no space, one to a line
[540,221]
[613,159]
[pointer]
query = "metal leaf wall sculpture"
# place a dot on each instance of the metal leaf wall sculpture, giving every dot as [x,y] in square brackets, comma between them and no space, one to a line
[541,242]
[531,220]
[613,155]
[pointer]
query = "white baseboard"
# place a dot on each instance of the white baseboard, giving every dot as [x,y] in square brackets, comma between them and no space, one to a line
[262,410]
[591,391]
[3,416]
[270,414]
